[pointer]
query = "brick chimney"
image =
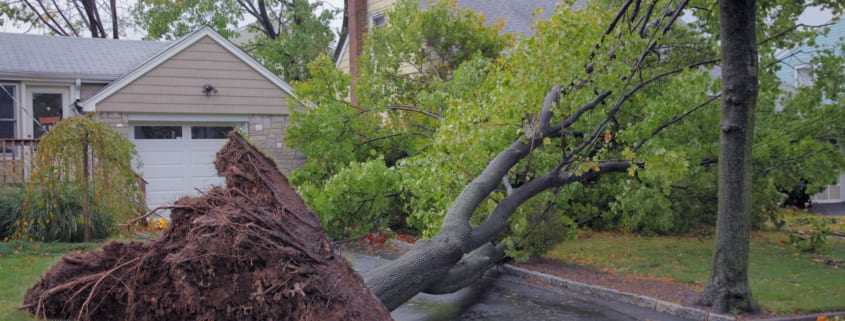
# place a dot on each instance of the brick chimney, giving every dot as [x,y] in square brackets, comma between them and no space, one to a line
[357,27]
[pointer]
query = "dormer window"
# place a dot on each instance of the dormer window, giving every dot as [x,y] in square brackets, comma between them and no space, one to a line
[377,21]
[803,75]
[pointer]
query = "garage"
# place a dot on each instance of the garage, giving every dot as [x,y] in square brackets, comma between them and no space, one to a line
[178,159]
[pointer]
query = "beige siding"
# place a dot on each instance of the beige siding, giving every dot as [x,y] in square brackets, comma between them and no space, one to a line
[86,90]
[175,86]
[343,65]
[376,6]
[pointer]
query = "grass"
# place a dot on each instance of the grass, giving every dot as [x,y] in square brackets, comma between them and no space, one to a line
[783,280]
[21,266]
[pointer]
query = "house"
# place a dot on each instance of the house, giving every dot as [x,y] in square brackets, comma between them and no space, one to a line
[517,15]
[796,70]
[174,100]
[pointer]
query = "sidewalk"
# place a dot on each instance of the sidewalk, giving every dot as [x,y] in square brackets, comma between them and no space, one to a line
[677,310]
[834,209]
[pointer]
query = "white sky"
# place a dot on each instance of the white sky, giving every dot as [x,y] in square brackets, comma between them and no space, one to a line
[813,16]
[136,34]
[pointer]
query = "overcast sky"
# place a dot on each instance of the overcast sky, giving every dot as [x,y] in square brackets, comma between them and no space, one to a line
[812,16]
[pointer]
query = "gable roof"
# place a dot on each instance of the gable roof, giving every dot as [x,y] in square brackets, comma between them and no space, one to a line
[518,15]
[174,48]
[34,56]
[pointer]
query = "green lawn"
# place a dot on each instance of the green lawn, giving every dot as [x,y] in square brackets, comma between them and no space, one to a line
[21,265]
[783,280]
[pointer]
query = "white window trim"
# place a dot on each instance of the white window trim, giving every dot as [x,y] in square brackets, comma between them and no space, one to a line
[796,73]
[16,106]
[375,16]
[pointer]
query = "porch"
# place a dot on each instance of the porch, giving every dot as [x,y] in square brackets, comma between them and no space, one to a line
[16,156]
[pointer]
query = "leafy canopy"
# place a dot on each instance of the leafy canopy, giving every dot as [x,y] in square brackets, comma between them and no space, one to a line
[429,124]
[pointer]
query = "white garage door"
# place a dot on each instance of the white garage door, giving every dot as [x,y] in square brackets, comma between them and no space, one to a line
[176,160]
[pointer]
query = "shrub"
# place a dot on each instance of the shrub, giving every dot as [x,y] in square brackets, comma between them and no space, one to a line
[360,198]
[57,220]
[51,208]
[10,209]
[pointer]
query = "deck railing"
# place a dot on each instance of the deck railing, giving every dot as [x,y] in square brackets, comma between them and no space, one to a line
[16,156]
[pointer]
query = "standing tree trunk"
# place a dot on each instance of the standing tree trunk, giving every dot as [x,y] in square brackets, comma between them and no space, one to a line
[728,289]
[86,212]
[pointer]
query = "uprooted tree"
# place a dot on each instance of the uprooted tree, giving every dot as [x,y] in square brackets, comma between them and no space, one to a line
[482,158]
[250,251]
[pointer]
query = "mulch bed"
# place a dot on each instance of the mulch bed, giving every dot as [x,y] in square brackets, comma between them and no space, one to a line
[250,251]
[681,293]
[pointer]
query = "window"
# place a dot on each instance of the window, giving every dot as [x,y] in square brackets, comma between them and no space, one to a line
[7,110]
[210,132]
[377,21]
[803,75]
[158,132]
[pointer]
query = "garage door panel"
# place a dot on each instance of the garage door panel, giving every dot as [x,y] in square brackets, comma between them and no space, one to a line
[199,170]
[154,172]
[166,184]
[177,165]
[204,158]
[154,158]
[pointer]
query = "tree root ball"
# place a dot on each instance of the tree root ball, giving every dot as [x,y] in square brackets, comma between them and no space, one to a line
[250,251]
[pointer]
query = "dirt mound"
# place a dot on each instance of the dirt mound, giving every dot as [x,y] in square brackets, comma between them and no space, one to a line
[251,251]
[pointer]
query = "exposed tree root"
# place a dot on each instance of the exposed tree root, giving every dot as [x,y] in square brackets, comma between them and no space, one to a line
[251,251]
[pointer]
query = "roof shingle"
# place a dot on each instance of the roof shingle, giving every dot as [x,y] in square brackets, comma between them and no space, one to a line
[24,55]
[518,15]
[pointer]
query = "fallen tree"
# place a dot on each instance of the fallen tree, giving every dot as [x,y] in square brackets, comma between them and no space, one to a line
[250,251]
[640,78]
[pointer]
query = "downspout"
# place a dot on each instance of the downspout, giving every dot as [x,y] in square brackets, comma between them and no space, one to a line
[77,94]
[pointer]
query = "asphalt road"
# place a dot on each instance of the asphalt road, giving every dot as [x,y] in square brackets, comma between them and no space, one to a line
[502,296]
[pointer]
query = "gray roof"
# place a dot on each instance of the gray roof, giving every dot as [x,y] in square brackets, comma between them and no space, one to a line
[518,15]
[23,55]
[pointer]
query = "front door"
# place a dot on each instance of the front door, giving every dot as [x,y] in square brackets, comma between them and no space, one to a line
[48,106]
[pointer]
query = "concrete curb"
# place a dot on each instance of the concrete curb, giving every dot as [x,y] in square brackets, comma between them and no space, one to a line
[670,308]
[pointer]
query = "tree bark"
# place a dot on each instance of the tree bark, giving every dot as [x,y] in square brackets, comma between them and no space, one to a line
[86,211]
[728,289]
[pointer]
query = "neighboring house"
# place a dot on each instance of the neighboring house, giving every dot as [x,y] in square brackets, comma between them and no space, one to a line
[175,101]
[517,15]
[796,70]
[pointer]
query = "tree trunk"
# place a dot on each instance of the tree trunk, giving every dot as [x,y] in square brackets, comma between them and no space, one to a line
[86,211]
[728,289]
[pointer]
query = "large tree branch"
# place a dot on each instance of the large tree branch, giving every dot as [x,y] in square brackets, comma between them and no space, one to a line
[796,159]
[65,18]
[43,18]
[497,222]
[470,268]
[114,21]
[675,15]
[414,110]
